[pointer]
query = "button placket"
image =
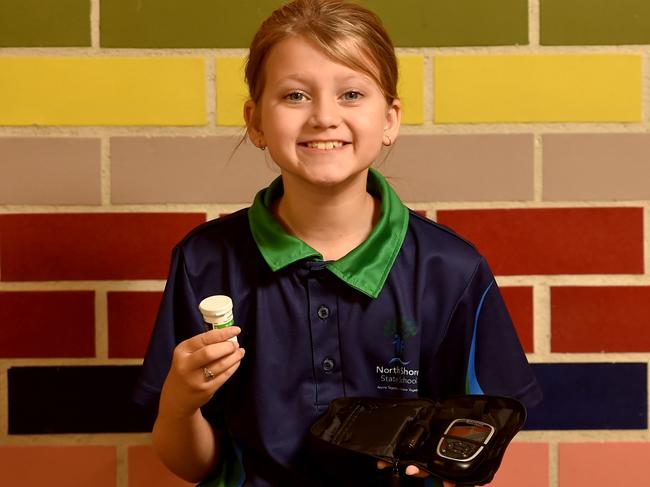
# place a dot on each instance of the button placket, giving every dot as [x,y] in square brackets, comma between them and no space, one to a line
[325,338]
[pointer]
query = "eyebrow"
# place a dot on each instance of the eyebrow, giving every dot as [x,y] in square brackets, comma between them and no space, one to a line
[307,79]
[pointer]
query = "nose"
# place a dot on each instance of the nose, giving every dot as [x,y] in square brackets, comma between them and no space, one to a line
[325,113]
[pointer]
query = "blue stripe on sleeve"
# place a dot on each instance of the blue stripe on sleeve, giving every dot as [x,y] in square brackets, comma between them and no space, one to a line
[472,385]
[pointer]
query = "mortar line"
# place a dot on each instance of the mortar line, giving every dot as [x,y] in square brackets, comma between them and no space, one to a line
[525,49]
[533,23]
[73,362]
[591,280]
[95,9]
[122,459]
[211,91]
[428,99]
[108,285]
[101,324]
[105,170]
[584,436]
[538,168]
[427,128]
[553,464]
[589,357]
[542,319]
[215,208]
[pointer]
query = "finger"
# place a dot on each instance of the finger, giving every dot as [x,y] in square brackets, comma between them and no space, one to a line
[382,464]
[448,484]
[220,334]
[211,353]
[221,377]
[414,471]
[222,365]
[209,337]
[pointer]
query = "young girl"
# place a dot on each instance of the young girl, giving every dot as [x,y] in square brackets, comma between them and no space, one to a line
[338,289]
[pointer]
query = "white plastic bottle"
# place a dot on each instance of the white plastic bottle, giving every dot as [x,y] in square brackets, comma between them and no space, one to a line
[217,312]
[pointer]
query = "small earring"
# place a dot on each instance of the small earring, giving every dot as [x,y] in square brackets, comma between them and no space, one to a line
[386,141]
[263,147]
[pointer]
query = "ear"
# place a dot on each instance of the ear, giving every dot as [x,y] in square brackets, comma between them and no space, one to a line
[393,119]
[252,124]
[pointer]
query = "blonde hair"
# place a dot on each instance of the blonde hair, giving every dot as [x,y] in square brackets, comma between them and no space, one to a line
[346,32]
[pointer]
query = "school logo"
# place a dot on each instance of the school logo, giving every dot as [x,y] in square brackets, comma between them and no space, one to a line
[400,332]
[397,374]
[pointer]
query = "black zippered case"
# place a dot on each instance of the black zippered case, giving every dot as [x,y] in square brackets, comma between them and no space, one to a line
[460,438]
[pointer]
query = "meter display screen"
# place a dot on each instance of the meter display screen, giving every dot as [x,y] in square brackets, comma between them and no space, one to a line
[474,432]
[464,439]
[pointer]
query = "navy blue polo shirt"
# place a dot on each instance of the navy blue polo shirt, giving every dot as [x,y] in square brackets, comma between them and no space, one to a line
[413,311]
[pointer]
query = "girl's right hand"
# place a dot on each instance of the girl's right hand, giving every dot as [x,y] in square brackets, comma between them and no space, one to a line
[186,387]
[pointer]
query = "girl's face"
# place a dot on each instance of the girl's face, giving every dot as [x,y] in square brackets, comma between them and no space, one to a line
[322,122]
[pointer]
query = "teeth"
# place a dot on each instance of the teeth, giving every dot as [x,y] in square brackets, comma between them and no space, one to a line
[325,145]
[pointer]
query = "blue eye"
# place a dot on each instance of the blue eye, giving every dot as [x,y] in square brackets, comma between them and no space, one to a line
[295,96]
[352,95]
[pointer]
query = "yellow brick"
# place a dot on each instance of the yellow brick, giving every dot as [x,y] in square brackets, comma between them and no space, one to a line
[541,88]
[102,91]
[232,91]
[411,88]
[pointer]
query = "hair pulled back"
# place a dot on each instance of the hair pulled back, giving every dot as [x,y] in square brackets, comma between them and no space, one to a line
[346,32]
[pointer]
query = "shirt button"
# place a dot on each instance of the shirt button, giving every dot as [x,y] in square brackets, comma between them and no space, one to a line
[323,312]
[328,364]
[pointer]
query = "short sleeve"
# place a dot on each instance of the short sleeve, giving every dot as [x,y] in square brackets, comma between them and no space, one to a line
[178,319]
[482,342]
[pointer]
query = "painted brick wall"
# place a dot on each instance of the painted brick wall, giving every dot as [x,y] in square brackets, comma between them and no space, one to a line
[526,130]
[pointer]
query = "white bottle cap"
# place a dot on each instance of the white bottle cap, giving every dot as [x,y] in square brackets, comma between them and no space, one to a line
[214,306]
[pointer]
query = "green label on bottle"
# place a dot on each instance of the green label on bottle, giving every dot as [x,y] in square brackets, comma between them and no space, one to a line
[223,325]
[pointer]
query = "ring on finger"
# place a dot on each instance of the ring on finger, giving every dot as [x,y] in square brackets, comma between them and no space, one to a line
[208,374]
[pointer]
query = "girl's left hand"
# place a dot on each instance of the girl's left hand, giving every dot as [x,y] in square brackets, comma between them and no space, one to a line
[413,471]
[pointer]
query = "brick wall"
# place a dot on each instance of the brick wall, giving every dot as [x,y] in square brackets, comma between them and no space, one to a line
[526,129]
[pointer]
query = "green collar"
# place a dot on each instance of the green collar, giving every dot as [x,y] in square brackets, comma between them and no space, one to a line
[365,268]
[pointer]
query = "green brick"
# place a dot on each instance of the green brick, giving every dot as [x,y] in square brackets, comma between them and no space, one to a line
[44,23]
[419,23]
[230,24]
[182,23]
[594,22]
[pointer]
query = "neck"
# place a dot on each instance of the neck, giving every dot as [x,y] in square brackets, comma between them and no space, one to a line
[332,220]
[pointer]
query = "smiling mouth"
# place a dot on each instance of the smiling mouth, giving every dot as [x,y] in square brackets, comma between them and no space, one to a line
[329,145]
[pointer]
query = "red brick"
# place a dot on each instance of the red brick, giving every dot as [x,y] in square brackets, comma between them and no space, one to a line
[58,466]
[96,246]
[602,463]
[47,324]
[145,469]
[524,465]
[519,300]
[131,316]
[600,319]
[554,240]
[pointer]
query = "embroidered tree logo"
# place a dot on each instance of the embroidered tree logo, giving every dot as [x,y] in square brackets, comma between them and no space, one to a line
[399,331]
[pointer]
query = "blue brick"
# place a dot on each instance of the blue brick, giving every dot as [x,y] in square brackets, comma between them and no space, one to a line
[591,396]
[74,399]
